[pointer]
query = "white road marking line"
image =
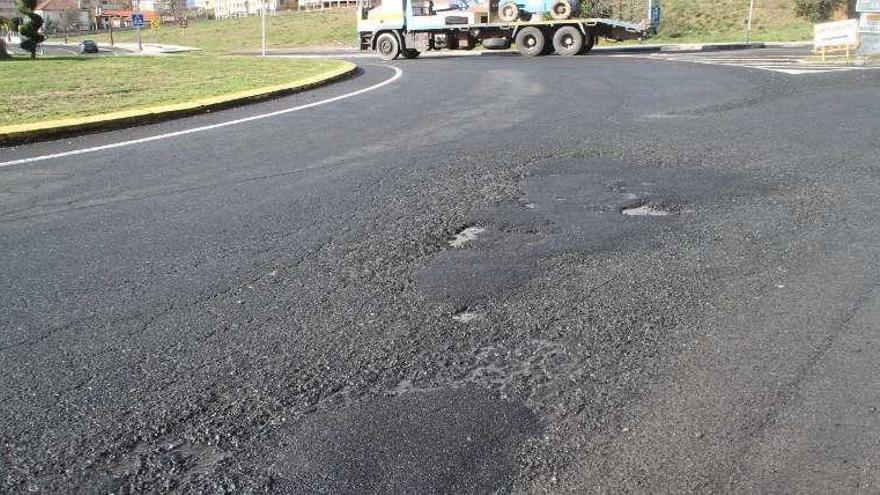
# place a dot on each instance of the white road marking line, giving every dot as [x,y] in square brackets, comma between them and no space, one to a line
[397,74]
[792,66]
[810,70]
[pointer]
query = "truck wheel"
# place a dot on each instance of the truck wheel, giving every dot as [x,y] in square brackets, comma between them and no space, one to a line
[530,41]
[387,46]
[561,10]
[509,12]
[568,41]
[409,53]
[589,41]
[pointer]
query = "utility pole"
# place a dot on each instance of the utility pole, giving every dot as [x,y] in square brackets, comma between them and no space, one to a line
[749,30]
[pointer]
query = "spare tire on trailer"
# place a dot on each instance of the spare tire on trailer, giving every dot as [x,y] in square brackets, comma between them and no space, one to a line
[496,43]
[508,12]
[530,41]
[563,9]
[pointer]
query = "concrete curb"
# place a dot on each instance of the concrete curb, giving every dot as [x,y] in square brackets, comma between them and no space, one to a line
[679,48]
[41,130]
[666,48]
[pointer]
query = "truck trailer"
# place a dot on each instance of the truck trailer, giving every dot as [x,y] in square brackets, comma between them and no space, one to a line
[406,28]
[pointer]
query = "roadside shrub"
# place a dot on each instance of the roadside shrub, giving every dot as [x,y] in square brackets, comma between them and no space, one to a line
[816,10]
[30,30]
[49,26]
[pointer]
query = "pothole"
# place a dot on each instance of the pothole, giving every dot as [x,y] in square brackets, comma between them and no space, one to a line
[466,236]
[645,211]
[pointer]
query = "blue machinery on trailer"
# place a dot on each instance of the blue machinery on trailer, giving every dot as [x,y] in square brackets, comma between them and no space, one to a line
[395,28]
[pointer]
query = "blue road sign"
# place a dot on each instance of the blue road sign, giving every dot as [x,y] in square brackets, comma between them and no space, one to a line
[137,20]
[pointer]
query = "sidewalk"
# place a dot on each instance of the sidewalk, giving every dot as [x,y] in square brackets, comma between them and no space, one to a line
[148,48]
[156,49]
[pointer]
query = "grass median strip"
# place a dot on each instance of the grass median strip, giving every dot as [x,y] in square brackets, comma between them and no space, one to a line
[81,87]
[294,29]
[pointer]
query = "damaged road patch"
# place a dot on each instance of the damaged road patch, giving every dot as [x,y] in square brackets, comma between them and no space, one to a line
[465,236]
[584,205]
[644,211]
[447,441]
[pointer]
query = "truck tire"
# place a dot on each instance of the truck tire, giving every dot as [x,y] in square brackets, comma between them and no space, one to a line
[568,41]
[508,12]
[496,43]
[561,10]
[387,46]
[530,41]
[409,53]
[589,41]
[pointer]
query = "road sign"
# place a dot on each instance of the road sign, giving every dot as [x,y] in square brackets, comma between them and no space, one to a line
[182,23]
[869,30]
[840,33]
[868,6]
[869,23]
[137,19]
[155,24]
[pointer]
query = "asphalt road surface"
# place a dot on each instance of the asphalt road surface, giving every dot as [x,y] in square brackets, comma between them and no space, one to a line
[492,274]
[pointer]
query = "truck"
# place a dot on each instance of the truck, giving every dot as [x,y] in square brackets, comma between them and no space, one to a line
[407,28]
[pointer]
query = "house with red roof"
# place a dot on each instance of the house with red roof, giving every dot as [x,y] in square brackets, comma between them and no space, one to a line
[54,10]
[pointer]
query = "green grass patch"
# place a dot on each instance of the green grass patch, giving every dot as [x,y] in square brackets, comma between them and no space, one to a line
[285,30]
[59,87]
[684,21]
[692,21]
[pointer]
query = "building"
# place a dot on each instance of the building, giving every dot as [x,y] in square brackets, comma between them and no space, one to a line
[206,6]
[322,4]
[224,9]
[7,9]
[74,13]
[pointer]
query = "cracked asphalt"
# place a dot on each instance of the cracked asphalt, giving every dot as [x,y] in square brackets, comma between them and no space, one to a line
[276,306]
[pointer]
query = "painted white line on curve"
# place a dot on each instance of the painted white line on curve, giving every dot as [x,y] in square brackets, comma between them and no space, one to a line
[397,74]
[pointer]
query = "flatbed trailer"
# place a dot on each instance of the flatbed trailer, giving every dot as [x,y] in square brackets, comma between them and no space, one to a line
[406,28]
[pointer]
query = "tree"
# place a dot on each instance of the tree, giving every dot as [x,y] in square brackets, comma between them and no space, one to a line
[30,29]
[70,18]
[49,26]
[4,26]
[816,10]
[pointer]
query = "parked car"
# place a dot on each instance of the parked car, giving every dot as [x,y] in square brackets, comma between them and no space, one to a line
[88,46]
